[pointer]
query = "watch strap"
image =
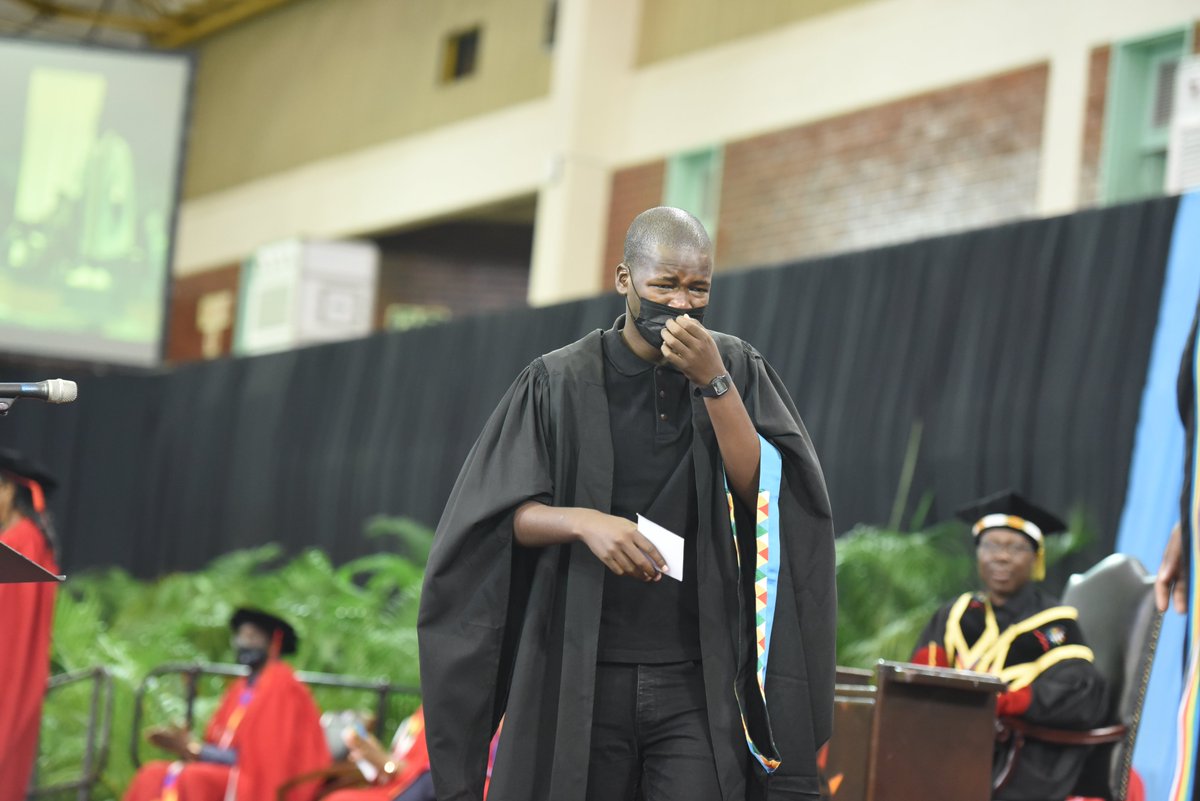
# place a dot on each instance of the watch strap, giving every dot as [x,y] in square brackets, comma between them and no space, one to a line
[715,388]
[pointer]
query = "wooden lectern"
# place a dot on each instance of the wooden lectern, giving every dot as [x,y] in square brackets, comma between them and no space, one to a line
[15,568]
[912,732]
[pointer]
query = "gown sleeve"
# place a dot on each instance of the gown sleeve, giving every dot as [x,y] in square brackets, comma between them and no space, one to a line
[930,648]
[1186,391]
[1071,693]
[791,662]
[475,585]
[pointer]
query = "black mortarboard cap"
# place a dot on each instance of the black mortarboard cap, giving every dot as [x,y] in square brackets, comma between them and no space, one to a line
[268,623]
[17,463]
[1011,504]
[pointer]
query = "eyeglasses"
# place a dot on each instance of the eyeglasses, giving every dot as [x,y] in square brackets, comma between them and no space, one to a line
[1013,549]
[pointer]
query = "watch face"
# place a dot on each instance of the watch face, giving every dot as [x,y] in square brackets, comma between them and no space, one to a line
[720,384]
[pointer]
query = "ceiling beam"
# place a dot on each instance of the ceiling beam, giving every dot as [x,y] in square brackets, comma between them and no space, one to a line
[148,27]
[199,22]
[163,30]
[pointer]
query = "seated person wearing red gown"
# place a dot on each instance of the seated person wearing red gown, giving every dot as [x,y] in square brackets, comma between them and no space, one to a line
[403,774]
[399,775]
[26,615]
[1015,630]
[266,730]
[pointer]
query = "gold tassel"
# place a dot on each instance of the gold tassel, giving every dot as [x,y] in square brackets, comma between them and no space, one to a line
[1039,565]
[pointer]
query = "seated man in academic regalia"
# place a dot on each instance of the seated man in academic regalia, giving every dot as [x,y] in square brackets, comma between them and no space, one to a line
[266,730]
[1017,631]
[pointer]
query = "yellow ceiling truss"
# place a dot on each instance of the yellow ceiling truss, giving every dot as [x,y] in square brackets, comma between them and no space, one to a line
[165,24]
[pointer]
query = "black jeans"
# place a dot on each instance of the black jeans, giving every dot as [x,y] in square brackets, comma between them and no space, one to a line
[650,733]
[420,790]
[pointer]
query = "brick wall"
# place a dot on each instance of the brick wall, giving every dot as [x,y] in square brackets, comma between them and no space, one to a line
[958,158]
[217,291]
[465,267]
[634,190]
[1093,132]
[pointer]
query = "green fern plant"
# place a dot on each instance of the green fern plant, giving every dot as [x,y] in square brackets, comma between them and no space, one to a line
[355,619]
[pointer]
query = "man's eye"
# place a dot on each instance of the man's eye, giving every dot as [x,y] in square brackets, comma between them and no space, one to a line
[700,290]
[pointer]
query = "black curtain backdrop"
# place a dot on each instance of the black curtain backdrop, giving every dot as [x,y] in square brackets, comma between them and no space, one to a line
[1021,349]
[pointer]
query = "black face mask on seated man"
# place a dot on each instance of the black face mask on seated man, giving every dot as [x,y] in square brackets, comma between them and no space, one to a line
[251,656]
[653,317]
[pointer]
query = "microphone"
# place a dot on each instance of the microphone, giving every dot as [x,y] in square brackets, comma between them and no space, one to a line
[54,390]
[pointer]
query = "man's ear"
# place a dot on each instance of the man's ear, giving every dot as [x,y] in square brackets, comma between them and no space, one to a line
[624,278]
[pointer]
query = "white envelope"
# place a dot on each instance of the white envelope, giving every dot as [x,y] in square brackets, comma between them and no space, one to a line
[668,544]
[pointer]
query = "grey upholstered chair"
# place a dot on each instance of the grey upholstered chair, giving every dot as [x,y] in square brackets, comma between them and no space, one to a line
[1120,623]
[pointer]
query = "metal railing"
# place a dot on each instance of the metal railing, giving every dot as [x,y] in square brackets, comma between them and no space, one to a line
[99,733]
[192,671]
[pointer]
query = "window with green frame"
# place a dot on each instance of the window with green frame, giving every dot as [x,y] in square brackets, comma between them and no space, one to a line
[1141,93]
[693,183]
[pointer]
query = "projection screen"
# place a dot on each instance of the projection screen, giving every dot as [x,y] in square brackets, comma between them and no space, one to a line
[90,151]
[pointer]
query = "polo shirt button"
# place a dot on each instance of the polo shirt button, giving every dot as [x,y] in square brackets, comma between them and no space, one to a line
[662,417]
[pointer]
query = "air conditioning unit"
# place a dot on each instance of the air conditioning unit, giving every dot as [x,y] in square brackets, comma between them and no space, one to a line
[302,292]
[1183,150]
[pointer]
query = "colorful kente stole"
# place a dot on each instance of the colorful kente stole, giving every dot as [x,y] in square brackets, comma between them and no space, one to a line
[236,716]
[766,581]
[170,785]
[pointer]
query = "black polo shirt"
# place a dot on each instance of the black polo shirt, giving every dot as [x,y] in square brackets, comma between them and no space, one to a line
[650,413]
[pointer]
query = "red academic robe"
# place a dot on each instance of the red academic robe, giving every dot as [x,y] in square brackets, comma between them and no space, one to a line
[411,756]
[278,737]
[411,753]
[26,615]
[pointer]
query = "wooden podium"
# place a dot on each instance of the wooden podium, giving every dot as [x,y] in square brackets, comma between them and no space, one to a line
[912,732]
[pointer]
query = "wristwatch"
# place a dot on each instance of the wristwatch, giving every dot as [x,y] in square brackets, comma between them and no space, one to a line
[715,388]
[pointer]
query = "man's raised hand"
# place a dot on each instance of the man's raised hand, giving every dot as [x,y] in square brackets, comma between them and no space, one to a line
[689,347]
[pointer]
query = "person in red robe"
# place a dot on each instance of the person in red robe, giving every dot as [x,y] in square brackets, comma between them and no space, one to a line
[403,774]
[266,731]
[26,615]
[399,775]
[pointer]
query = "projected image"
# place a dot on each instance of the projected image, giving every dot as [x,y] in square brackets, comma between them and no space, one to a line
[89,154]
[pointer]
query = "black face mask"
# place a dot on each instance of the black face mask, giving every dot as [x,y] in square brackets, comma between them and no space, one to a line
[251,657]
[653,317]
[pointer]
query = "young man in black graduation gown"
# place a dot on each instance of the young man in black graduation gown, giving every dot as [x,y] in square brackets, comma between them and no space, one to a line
[1017,631]
[545,606]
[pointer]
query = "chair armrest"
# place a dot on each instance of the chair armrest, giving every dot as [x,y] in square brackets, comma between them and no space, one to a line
[1046,734]
[1016,731]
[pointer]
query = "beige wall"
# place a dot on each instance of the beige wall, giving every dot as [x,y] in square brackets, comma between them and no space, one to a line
[322,78]
[902,48]
[673,28]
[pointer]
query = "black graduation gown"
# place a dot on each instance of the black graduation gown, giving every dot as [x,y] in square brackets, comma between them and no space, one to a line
[1067,694]
[509,631]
